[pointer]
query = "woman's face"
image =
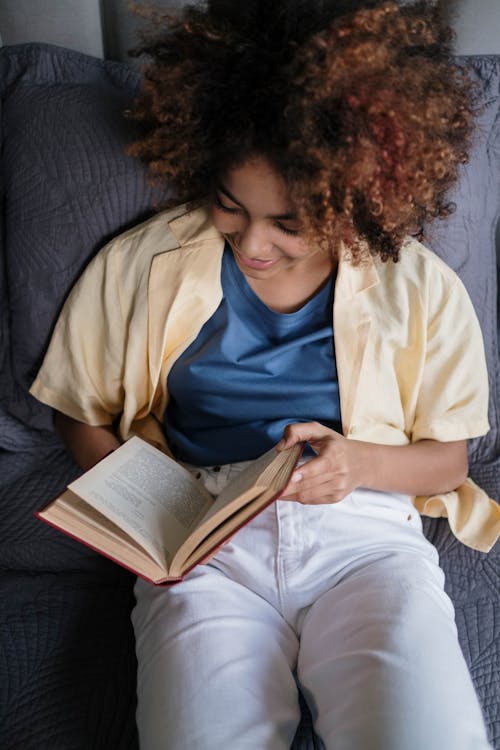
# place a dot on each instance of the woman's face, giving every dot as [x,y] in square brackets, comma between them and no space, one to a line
[251,208]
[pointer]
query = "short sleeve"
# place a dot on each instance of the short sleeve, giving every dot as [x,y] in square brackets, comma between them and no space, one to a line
[81,374]
[452,400]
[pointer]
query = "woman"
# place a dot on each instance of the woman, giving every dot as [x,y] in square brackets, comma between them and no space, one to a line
[290,305]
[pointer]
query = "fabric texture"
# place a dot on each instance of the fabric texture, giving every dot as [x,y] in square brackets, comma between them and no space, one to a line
[406,331]
[68,679]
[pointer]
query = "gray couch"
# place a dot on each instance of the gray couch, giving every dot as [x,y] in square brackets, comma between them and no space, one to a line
[66,645]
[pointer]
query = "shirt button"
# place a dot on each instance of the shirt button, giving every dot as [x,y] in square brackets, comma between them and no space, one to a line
[216,468]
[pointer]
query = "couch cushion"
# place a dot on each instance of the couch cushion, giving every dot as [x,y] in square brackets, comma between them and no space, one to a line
[28,481]
[68,187]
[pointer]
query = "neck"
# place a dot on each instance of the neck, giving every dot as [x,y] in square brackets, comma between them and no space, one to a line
[289,291]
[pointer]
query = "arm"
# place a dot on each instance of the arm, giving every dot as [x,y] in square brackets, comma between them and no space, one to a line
[424,468]
[87,444]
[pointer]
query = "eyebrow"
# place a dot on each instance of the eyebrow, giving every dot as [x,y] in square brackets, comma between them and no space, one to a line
[280,217]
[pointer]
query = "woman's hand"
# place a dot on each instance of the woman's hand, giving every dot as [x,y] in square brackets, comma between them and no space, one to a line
[332,474]
[427,467]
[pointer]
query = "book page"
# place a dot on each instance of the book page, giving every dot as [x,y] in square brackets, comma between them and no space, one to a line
[269,470]
[73,515]
[243,481]
[151,497]
[225,529]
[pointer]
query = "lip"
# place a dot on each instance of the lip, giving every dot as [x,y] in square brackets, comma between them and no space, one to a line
[255,263]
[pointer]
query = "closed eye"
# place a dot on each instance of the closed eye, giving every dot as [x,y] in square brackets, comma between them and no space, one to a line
[237,210]
[228,209]
[286,230]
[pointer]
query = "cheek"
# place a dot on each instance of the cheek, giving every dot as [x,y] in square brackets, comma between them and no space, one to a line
[297,246]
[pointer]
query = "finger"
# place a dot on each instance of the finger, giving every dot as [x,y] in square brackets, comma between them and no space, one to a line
[301,485]
[303,431]
[321,484]
[310,471]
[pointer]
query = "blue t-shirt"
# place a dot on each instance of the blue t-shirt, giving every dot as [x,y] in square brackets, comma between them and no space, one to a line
[249,373]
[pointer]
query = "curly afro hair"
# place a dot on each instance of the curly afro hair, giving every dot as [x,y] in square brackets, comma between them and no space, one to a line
[358,105]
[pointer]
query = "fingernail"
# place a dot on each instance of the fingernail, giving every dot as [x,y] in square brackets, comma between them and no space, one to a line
[297,477]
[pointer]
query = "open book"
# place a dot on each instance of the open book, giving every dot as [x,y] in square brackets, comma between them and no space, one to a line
[148,513]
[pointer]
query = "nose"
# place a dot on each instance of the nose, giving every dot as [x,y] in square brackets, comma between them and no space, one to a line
[254,242]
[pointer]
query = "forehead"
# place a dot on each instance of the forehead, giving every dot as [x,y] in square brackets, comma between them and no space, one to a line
[256,182]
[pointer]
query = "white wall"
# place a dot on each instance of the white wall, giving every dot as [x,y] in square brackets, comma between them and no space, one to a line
[477,26]
[68,23]
[121,25]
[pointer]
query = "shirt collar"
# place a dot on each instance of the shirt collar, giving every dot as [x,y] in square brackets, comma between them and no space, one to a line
[355,279]
[194,226]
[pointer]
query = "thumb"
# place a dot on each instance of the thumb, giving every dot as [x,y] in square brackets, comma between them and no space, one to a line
[299,432]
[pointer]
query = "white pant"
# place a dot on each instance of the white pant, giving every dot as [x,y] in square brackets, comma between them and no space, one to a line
[345,599]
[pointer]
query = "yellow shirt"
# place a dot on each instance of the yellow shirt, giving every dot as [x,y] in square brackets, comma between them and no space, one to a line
[409,351]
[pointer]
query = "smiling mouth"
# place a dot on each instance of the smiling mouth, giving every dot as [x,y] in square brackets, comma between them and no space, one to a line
[255,263]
